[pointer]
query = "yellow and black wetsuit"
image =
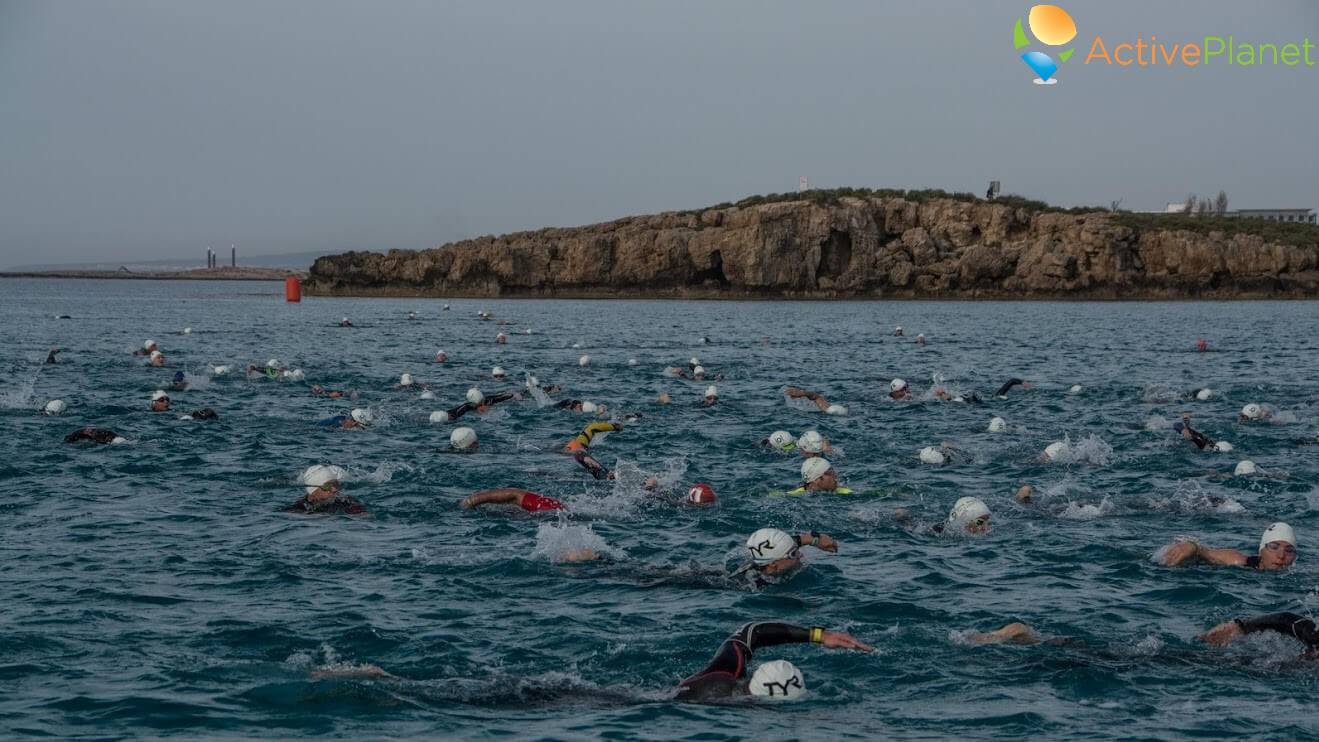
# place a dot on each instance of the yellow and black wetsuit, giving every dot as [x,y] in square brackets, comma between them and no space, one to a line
[584,438]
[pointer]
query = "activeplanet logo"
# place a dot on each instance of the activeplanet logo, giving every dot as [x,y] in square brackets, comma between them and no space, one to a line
[1053,26]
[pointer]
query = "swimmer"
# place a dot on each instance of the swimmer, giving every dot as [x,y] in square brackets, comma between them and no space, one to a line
[1277,551]
[945,453]
[319,391]
[779,440]
[1201,346]
[776,555]
[501,339]
[969,515]
[811,443]
[345,323]
[148,346]
[816,397]
[476,402]
[818,475]
[156,359]
[1287,624]
[205,413]
[498,372]
[159,401]
[412,315]
[1183,428]
[50,357]
[663,398]
[324,496]
[54,407]
[943,395]
[1002,392]
[920,340]
[897,331]
[601,472]
[1201,394]
[898,389]
[406,382]
[272,370]
[358,418]
[725,676]
[577,405]
[583,439]
[711,397]
[441,356]
[463,440]
[1253,412]
[95,435]
[525,499]
[677,371]
[180,382]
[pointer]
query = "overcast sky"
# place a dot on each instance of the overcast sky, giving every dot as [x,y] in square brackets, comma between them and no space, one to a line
[134,129]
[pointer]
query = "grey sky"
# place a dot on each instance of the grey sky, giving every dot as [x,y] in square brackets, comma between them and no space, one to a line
[138,129]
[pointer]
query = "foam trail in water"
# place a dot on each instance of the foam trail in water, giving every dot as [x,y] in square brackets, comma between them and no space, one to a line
[21,396]
[568,542]
[533,387]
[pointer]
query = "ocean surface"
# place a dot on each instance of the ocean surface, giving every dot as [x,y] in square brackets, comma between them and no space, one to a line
[154,590]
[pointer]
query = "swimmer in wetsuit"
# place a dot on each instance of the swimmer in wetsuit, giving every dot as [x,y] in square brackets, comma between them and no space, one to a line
[358,418]
[95,435]
[319,391]
[1007,386]
[159,401]
[725,676]
[323,496]
[583,439]
[50,357]
[818,475]
[1287,624]
[898,389]
[776,555]
[1184,429]
[482,405]
[205,413]
[1277,551]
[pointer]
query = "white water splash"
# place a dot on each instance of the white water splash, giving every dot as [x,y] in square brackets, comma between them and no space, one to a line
[21,395]
[1091,450]
[564,542]
[1158,424]
[1086,511]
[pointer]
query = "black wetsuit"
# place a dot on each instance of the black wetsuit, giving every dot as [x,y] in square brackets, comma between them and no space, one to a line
[341,504]
[1200,440]
[1007,386]
[466,407]
[205,413]
[722,677]
[1290,624]
[567,404]
[96,435]
[589,463]
[50,357]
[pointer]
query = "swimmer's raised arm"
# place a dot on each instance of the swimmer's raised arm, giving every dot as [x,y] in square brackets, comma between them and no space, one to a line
[502,496]
[1222,557]
[821,541]
[1289,624]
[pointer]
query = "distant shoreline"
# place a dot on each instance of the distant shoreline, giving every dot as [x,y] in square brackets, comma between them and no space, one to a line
[199,274]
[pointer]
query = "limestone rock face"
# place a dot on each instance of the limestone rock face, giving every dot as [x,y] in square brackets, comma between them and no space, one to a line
[853,247]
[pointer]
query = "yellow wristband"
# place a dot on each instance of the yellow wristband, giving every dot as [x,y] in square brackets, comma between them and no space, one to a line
[817,634]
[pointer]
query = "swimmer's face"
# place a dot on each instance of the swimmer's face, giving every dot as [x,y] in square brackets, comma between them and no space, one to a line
[827,481]
[325,492]
[979,526]
[158,361]
[160,405]
[786,564]
[663,398]
[1277,555]
[710,400]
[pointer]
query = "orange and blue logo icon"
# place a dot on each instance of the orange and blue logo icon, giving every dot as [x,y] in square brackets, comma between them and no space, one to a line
[1051,26]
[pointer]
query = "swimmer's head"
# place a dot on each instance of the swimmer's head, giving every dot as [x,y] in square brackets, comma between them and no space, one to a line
[428,394]
[272,363]
[179,377]
[632,361]
[474,396]
[584,361]
[835,409]
[811,442]
[1056,450]
[439,416]
[782,440]
[1245,468]
[187,331]
[321,480]
[54,407]
[148,345]
[498,372]
[1277,547]
[501,338]
[997,425]
[663,398]
[700,494]
[778,680]
[1076,389]
[817,473]
[1252,411]
[1204,394]
[221,370]
[771,547]
[441,356]
[157,358]
[1223,447]
[969,514]
[699,372]
[932,455]
[711,394]
[405,380]
[693,361]
[897,385]
[159,401]
[463,439]
[362,417]
[590,408]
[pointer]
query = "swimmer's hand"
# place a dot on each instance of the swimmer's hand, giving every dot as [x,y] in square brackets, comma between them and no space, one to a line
[1221,635]
[821,541]
[1024,494]
[794,392]
[840,640]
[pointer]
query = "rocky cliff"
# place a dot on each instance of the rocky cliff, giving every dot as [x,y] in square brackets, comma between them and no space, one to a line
[846,247]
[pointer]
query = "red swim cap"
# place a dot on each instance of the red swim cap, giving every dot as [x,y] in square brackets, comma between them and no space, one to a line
[701,494]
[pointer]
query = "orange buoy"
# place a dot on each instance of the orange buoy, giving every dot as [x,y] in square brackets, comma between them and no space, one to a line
[293,289]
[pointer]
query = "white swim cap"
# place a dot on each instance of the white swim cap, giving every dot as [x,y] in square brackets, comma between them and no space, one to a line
[220,370]
[428,394]
[1055,450]
[899,327]
[932,455]
[54,407]
[345,319]
[187,331]
[814,468]
[698,371]
[694,361]
[1277,532]
[1222,447]
[782,440]
[317,475]
[272,363]
[498,372]
[405,380]
[632,361]
[584,361]
[710,391]
[835,409]
[148,344]
[158,395]
[440,352]
[440,417]
[462,438]
[362,416]
[1245,468]
[770,545]
[966,510]
[297,374]
[1076,389]
[897,384]
[589,407]
[474,396]
[997,424]
[1204,394]
[1252,411]
[501,335]
[779,680]
[811,442]
[118,439]
[156,354]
